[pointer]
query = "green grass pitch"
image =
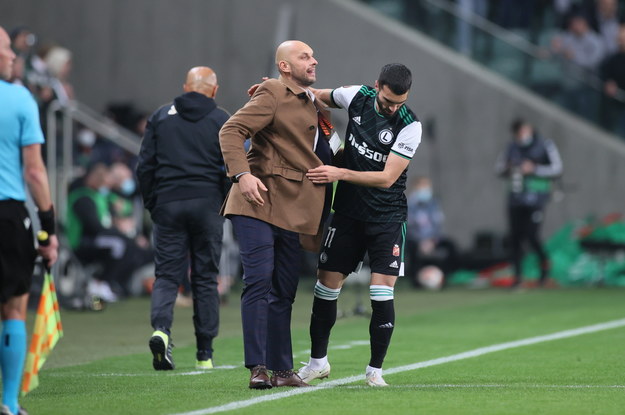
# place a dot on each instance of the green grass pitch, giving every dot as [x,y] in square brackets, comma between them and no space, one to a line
[103,365]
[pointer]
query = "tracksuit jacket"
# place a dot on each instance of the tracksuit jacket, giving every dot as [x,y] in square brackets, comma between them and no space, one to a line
[180,157]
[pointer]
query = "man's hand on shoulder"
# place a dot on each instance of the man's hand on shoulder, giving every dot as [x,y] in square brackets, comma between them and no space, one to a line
[254,87]
[249,186]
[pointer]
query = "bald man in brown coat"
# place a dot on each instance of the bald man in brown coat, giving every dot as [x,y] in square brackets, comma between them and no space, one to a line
[271,203]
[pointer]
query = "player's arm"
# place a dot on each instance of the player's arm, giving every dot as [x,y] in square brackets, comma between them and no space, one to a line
[395,165]
[554,167]
[325,96]
[147,164]
[36,178]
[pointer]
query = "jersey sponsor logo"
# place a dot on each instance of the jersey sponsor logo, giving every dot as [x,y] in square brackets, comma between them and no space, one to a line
[172,111]
[364,150]
[385,136]
[396,250]
[394,264]
[406,147]
[356,120]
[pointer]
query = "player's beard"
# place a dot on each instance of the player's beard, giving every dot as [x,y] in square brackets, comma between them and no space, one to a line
[381,109]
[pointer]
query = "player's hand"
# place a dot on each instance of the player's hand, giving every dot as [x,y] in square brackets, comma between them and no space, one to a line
[324,174]
[249,185]
[254,87]
[49,252]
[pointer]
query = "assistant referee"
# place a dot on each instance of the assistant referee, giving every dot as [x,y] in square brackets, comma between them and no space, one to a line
[20,161]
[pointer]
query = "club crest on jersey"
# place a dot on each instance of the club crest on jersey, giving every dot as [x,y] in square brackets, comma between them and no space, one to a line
[385,136]
[396,250]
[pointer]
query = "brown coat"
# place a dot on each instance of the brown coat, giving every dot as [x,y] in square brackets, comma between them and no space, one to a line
[282,123]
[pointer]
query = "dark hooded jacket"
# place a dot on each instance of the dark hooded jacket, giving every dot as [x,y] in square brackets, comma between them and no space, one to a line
[180,157]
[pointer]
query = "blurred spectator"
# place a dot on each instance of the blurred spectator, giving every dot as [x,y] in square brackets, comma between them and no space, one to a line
[603,17]
[529,162]
[613,75]
[59,63]
[37,78]
[581,51]
[83,148]
[426,244]
[123,200]
[94,239]
[579,44]
[22,42]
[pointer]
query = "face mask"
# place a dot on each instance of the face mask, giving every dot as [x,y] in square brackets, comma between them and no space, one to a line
[86,138]
[420,195]
[425,194]
[128,187]
[103,190]
[525,140]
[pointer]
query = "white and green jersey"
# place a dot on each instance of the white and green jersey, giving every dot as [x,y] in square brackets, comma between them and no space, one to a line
[370,137]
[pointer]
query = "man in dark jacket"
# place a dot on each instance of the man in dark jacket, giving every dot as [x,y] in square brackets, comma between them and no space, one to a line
[530,162]
[183,183]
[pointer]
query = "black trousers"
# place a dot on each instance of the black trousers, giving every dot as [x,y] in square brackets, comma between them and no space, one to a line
[188,234]
[525,223]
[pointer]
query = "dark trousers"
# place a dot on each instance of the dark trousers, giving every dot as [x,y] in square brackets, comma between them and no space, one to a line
[525,222]
[271,259]
[188,232]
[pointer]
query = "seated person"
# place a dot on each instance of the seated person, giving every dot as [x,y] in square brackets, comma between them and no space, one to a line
[425,243]
[94,239]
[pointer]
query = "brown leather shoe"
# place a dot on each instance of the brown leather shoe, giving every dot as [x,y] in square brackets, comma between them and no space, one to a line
[259,378]
[292,379]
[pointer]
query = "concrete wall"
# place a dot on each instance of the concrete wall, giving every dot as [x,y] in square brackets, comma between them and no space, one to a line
[140,50]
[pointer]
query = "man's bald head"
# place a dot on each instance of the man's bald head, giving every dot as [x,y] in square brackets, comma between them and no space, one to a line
[7,56]
[202,80]
[295,61]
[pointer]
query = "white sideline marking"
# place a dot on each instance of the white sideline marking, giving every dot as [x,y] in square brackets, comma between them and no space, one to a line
[460,356]
[503,386]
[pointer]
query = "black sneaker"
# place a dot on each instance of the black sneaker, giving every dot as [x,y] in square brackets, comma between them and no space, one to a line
[161,345]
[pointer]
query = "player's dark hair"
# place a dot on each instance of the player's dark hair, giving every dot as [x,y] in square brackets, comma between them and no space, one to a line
[396,77]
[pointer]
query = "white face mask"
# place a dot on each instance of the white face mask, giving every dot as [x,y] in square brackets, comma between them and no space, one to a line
[420,195]
[86,138]
[128,187]
[525,140]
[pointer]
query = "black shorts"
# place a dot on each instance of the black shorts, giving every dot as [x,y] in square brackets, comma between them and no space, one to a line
[347,240]
[17,250]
